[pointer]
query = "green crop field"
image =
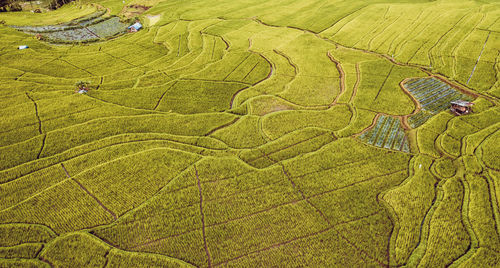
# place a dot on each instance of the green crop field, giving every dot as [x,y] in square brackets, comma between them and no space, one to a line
[292,133]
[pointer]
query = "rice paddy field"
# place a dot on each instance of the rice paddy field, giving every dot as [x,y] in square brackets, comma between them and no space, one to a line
[291,133]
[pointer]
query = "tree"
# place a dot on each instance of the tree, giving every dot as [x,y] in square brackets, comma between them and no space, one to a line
[55,4]
[3,5]
[9,5]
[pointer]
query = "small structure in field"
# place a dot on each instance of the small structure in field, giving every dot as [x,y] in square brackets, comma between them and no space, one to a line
[82,87]
[461,107]
[134,27]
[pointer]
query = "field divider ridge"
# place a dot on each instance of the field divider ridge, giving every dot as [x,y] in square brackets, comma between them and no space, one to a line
[478,58]
[36,113]
[383,83]
[88,192]
[207,251]
[338,65]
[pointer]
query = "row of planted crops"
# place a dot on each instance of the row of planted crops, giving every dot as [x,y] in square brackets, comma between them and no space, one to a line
[86,29]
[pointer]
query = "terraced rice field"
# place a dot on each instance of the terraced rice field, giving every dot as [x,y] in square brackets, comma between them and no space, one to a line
[252,133]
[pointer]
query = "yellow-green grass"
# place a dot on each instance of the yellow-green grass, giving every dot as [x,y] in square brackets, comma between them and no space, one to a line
[23,263]
[409,33]
[278,124]
[444,168]
[142,182]
[447,219]
[429,132]
[452,140]
[379,82]
[489,154]
[227,134]
[286,147]
[74,209]
[77,247]
[244,133]
[410,203]
[481,215]
[65,138]
[17,234]
[24,251]
[263,105]
[362,119]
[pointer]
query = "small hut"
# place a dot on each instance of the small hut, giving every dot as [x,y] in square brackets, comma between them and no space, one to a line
[82,87]
[134,27]
[461,107]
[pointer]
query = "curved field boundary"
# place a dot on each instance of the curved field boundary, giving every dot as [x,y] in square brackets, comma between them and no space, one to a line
[474,243]
[163,95]
[341,77]
[207,251]
[419,251]
[271,71]
[356,85]
[329,228]
[294,202]
[194,185]
[294,66]
[392,254]
[404,120]
[324,140]
[36,113]
[222,126]
[11,174]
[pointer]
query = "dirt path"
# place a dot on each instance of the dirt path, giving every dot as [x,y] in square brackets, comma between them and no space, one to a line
[356,85]
[209,259]
[271,71]
[418,107]
[36,113]
[163,95]
[374,122]
[383,83]
[341,77]
[222,126]
[41,147]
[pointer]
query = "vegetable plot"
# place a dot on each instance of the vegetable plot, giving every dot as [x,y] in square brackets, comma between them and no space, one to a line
[433,95]
[387,133]
[86,29]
